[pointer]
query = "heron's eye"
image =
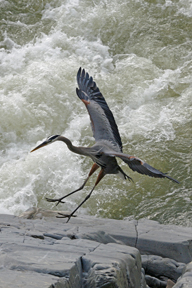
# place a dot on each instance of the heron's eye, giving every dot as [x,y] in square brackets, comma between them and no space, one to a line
[51,138]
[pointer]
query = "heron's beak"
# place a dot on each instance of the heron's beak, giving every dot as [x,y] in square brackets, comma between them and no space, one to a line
[40,146]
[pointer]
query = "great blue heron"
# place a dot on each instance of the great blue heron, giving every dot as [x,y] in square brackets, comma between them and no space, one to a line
[108,144]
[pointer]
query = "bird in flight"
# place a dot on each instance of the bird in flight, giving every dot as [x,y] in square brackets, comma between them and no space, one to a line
[108,145]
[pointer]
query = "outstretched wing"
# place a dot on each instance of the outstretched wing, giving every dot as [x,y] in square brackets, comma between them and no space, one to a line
[139,166]
[103,123]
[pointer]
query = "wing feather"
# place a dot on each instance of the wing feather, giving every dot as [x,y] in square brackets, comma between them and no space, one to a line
[103,123]
[139,166]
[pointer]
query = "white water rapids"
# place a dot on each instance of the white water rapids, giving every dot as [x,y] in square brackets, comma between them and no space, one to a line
[140,55]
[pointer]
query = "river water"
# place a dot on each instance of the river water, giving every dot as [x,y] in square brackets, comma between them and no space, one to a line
[140,54]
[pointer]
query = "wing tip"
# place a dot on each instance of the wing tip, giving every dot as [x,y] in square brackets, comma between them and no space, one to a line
[78,74]
[170,178]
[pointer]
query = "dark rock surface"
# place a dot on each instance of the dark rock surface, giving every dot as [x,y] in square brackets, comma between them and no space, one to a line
[42,251]
[155,282]
[166,267]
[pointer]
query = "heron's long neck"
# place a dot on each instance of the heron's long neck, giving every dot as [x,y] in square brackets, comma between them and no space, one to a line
[75,149]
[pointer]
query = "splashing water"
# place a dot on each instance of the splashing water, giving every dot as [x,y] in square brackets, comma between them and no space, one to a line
[139,53]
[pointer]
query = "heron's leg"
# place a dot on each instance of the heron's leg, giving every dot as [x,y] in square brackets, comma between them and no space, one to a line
[59,200]
[100,176]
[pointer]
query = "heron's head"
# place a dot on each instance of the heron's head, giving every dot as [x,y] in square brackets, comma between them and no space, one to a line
[49,140]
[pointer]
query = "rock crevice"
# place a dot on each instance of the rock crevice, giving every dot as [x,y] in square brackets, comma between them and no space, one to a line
[91,252]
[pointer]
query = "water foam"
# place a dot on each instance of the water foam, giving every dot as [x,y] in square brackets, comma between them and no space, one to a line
[142,66]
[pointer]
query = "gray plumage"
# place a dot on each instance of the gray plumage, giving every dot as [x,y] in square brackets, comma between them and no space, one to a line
[108,144]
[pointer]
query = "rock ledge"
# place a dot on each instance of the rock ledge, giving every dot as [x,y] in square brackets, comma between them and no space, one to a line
[39,250]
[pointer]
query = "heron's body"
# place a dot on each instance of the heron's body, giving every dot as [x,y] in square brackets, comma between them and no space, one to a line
[107,163]
[108,143]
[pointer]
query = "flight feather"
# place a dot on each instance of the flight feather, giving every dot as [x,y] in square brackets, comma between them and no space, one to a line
[103,123]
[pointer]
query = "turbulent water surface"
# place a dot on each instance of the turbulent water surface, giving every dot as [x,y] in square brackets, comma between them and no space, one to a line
[140,55]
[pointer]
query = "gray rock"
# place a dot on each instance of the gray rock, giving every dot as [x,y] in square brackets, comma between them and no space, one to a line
[39,213]
[39,251]
[121,267]
[143,282]
[20,279]
[86,251]
[185,281]
[154,282]
[169,241]
[157,266]
[150,237]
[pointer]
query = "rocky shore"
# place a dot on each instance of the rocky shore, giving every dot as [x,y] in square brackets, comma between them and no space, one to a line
[40,250]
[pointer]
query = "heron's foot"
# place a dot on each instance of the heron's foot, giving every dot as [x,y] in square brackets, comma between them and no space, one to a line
[62,215]
[129,178]
[59,200]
